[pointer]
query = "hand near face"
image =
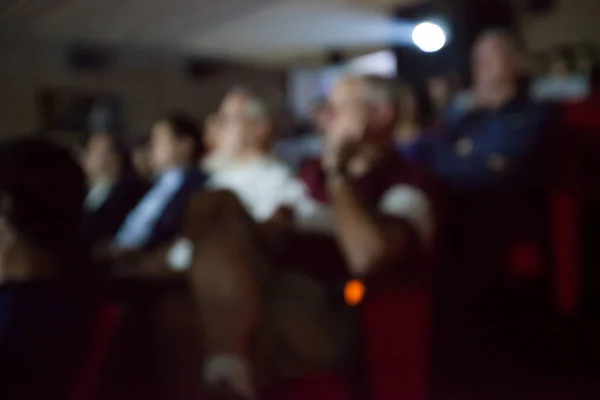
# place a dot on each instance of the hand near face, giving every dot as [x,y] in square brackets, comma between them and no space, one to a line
[344,131]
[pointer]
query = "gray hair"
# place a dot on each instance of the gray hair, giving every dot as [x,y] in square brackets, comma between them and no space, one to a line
[256,105]
[378,89]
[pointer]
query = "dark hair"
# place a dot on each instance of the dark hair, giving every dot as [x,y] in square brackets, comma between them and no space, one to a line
[42,189]
[509,34]
[185,126]
[564,54]
[139,141]
[118,147]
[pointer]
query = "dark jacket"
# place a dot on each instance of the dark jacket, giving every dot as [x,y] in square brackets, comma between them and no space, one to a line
[169,223]
[41,338]
[104,222]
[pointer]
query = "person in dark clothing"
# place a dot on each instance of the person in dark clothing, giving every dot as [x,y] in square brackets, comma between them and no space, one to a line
[175,147]
[113,190]
[42,304]
[496,160]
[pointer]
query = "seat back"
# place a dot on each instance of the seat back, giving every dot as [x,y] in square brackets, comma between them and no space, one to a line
[102,331]
[396,329]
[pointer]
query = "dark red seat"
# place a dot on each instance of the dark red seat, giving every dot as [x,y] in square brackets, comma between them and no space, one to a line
[396,328]
[102,331]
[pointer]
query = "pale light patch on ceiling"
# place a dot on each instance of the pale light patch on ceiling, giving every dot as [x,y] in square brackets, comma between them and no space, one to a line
[296,27]
[258,30]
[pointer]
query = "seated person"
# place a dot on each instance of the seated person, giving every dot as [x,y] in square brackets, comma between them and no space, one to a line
[174,149]
[499,139]
[380,220]
[113,192]
[43,303]
[496,162]
[261,182]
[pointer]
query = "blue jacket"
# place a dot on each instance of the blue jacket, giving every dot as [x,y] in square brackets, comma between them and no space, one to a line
[484,149]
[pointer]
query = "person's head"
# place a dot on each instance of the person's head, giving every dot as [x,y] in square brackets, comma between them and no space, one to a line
[42,190]
[243,124]
[175,142]
[365,102]
[140,158]
[209,134]
[585,57]
[561,62]
[497,60]
[102,157]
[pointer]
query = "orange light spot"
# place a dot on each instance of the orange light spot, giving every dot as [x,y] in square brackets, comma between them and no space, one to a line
[354,292]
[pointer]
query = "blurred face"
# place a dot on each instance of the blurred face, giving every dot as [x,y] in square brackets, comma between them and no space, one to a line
[559,67]
[494,61]
[141,161]
[167,150]
[439,90]
[350,117]
[100,161]
[238,128]
[347,116]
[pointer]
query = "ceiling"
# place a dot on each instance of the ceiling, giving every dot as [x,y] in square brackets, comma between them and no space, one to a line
[257,30]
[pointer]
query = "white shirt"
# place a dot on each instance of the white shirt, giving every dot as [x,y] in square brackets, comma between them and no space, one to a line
[214,162]
[139,224]
[267,184]
[264,185]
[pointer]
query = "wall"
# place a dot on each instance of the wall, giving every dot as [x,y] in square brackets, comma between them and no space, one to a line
[147,84]
[569,21]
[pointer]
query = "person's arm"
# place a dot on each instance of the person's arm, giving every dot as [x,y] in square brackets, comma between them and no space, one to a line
[363,241]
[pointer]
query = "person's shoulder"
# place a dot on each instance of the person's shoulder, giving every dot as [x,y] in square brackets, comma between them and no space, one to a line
[277,164]
[195,177]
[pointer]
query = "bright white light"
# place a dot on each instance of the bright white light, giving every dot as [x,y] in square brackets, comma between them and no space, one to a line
[429,37]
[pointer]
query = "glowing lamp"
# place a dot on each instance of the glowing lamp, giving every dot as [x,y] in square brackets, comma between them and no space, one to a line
[429,37]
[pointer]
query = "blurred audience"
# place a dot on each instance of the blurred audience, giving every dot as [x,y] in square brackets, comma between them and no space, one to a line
[248,237]
[43,306]
[358,174]
[113,190]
